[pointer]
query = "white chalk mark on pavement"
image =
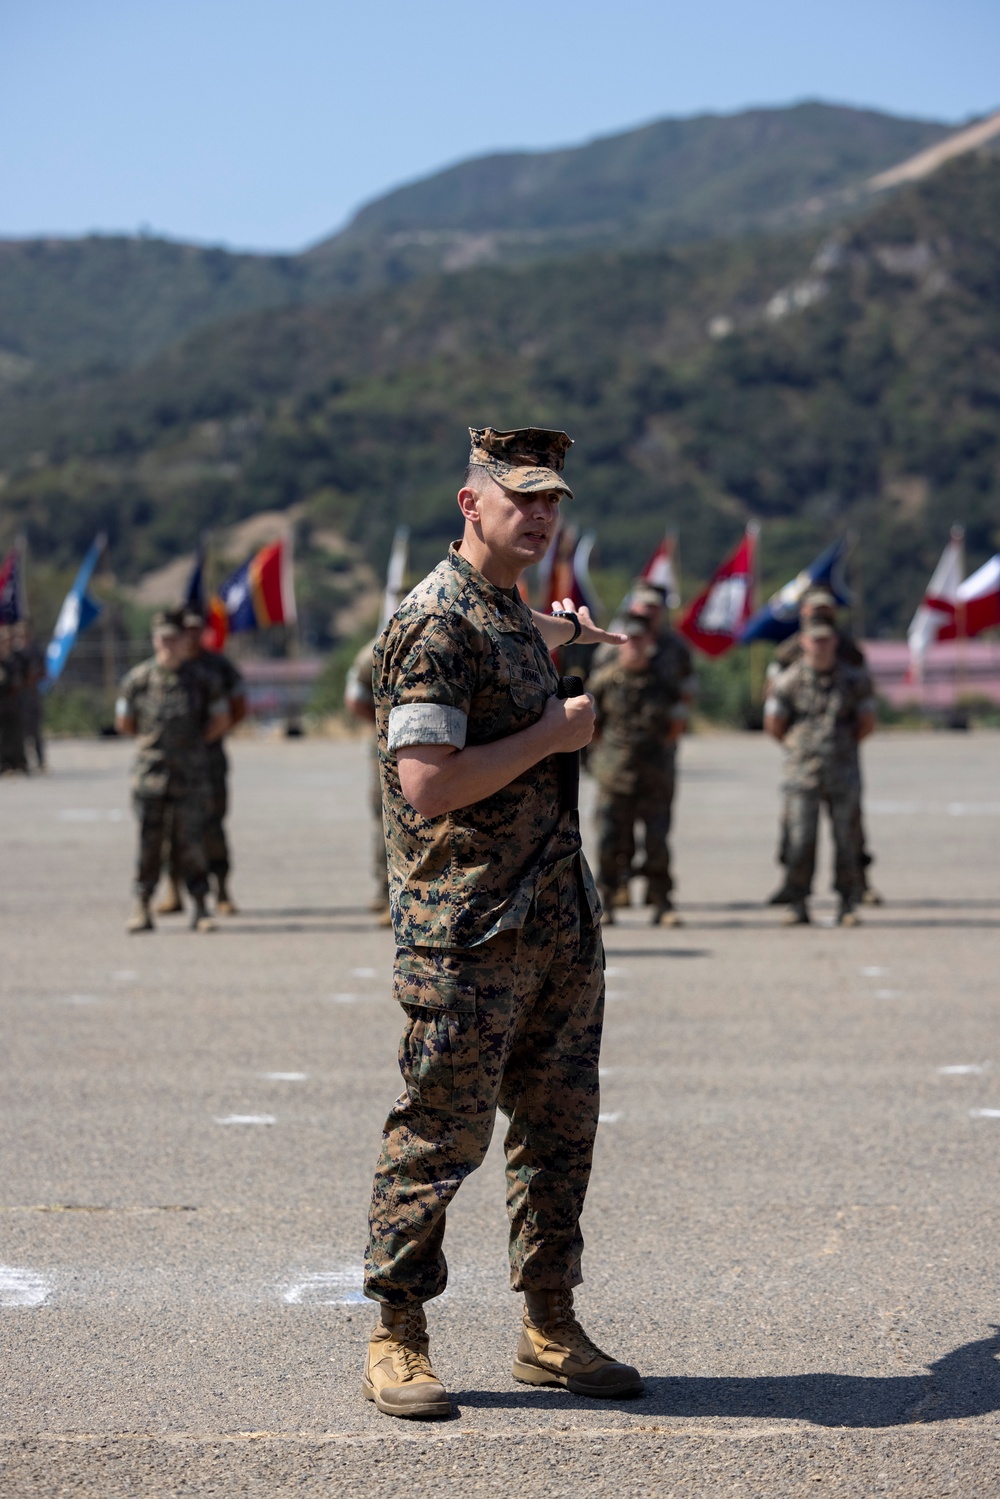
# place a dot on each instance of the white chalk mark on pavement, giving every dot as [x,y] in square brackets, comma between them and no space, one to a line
[284,1077]
[614,973]
[327,1288]
[610,1118]
[19,1287]
[888,993]
[963,1069]
[345,999]
[984,1113]
[874,973]
[247,1119]
[364,973]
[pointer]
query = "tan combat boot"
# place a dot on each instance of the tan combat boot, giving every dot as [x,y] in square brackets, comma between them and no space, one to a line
[224,903]
[665,915]
[141,919]
[172,902]
[398,1373]
[201,921]
[554,1349]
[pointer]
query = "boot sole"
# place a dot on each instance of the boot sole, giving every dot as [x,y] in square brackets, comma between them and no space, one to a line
[536,1375]
[421,1412]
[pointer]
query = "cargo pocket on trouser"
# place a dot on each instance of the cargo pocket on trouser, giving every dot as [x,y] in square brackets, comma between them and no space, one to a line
[439,1050]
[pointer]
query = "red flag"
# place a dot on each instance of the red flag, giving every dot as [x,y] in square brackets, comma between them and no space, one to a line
[977,602]
[722,610]
[661,572]
[935,614]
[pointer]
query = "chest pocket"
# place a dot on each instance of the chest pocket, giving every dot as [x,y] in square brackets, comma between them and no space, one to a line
[521,679]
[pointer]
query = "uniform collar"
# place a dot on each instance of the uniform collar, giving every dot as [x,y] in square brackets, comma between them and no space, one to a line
[498,597]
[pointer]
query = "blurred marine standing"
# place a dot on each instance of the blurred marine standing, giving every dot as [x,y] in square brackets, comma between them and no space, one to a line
[176,711]
[640,716]
[227,684]
[12,683]
[359,700]
[820,709]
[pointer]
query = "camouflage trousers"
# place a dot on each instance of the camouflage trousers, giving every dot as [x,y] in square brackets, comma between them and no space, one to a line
[514,1024]
[12,755]
[183,813]
[617,815]
[801,819]
[215,805]
[865,857]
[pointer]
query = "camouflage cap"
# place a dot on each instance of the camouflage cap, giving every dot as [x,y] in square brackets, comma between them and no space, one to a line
[820,630]
[647,596]
[818,598]
[636,625]
[525,460]
[165,623]
[191,619]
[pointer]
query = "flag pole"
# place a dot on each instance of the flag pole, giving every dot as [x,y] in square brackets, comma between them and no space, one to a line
[293,723]
[756,646]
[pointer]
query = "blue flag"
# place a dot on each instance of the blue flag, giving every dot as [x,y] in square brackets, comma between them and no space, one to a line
[779,617]
[195,596]
[78,611]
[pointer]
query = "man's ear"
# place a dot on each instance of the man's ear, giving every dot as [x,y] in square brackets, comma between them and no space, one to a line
[468,503]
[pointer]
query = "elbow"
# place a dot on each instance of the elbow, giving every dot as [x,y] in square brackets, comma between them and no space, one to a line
[427,802]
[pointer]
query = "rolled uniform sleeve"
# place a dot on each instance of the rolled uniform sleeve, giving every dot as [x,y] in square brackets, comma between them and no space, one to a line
[431,688]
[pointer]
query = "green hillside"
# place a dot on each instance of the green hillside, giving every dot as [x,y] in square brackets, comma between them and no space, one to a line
[852,380]
[106,303]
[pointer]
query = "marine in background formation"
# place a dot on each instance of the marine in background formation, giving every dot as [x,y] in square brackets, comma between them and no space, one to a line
[227,684]
[640,716]
[820,606]
[175,710]
[628,790]
[13,680]
[359,701]
[499,962]
[820,708]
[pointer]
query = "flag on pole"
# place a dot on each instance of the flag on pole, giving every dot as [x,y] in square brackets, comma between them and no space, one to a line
[12,601]
[661,570]
[716,619]
[78,611]
[260,593]
[564,571]
[779,617]
[936,612]
[395,576]
[977,602]
[194,597]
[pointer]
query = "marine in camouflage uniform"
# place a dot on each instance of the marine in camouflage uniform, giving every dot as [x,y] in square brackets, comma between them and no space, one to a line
[499,962]
[359,700]
[821,708]
[227,685]
[640,714]
[13,674]
[171,705]
[819,604]
[34,672]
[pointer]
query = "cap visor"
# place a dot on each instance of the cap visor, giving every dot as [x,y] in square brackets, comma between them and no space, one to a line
[529,480]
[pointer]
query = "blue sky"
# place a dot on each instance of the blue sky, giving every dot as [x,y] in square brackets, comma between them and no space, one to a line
[263,123]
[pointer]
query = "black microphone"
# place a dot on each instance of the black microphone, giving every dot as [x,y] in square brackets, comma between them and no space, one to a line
[569,760]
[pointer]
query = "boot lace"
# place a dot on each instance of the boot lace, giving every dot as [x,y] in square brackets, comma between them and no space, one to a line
[569,1328]
[410,1338]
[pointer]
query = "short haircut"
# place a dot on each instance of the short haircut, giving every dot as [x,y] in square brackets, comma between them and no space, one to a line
[477,477]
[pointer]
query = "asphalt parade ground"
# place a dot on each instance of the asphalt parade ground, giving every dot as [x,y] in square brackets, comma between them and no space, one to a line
[791,1227]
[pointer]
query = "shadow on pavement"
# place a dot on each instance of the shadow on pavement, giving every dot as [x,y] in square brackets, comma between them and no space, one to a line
[963,1383]
[657,952]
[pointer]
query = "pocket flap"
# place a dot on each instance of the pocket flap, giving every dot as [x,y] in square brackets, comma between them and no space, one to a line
[427,979]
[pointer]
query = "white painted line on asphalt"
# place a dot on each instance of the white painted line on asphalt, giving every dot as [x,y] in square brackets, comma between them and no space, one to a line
[614,973]
[284,1077]
[974,809]
[874,973]
[247,1119]
[124,975]
[341,1287]
[963,1069]
[348,999]
[610,1118]
[616,994]
[20,1287]
[984,1113]
[950,809]
[364,973]
[607,1071]
[90,814]
[888,993]
[80,999]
